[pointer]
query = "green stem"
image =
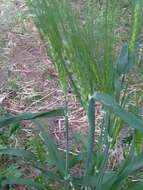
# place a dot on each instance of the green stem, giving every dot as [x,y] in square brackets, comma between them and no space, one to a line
[103,167]
[106,151]
[67,138]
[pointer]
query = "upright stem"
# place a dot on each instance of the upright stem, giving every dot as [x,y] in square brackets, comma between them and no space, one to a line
[103,167]
[106,151]
[67,137]
[91,121]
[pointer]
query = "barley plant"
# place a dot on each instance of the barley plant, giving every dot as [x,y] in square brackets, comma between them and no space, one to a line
[97,53]
[85,50]
[89,50]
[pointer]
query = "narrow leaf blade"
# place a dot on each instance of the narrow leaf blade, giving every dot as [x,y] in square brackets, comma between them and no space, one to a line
[128,117]
[5,121]
[18,181]
[18,152]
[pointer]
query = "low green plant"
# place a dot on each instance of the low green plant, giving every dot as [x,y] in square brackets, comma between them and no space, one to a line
[51,164]
[27,154]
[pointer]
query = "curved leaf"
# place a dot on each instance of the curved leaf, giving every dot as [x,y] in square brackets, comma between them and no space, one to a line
[18,152]
[122,61]
[17,181]
[55,155]
[128,117]
[5,121]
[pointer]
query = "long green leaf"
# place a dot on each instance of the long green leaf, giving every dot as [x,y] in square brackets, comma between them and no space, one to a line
[26,182]
[5,121]
[91,121]
[122,62]
[18,152]
[128,117]
[57,158]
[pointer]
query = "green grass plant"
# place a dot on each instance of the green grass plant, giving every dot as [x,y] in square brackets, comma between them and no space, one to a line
[88,51]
